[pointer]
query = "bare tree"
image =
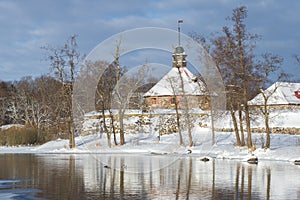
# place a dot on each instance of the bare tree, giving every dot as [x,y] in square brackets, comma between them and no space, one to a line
[234,54]
[177,85]
[223,51]
[173,83]
[13,104]
[105,92]
[47,90]
[102,73]
[64,61]
[32,102]
[265,69]
[223,54]
[186,108]
[121,109]
[125,88]
[4,91]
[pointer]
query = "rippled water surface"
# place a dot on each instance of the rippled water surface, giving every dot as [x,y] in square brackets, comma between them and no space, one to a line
[104,176]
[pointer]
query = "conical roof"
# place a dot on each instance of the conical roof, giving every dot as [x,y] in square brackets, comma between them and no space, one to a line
[171,84]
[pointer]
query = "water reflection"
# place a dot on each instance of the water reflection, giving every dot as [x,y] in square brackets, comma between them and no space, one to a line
[146,177]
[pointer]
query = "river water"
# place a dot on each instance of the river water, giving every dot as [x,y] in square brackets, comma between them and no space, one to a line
[135,176]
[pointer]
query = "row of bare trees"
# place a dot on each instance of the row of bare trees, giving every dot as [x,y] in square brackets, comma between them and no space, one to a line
[244,74]
[115,92]
[34,102]
[45,102]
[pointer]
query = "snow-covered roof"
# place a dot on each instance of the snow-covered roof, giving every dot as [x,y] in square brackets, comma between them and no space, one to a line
[170,84]
[280,93]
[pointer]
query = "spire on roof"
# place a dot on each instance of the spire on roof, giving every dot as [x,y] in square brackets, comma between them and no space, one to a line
[179,54]
[179,21]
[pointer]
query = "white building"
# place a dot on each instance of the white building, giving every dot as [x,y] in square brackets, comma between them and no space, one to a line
[179,82]
[280,95]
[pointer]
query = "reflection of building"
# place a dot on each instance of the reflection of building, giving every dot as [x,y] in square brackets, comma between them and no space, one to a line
[179,82]
[281,96]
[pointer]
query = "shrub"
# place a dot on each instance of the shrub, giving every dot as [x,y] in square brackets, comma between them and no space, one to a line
[22,136]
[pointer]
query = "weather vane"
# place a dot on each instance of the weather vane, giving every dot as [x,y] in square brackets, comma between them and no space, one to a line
[179,21]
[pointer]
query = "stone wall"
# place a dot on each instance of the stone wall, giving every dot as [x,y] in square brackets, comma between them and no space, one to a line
[168,102]
[145,123]
[274,130]
[275,107]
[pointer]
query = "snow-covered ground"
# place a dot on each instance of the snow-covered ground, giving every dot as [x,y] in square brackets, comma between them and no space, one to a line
[284,147]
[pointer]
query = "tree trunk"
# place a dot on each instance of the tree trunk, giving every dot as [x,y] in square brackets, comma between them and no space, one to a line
[186,110]
[113,126]
[71,133]
[248,128]
[212,125]
[241,127]
[189,181]
[178,122]
[121,118]
[105,127]
[189,130]
[268,139]
[240,40]
[246,108]
[235,126]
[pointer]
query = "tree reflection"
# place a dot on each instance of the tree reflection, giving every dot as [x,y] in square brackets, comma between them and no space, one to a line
[213,179]
[242,182]
[237,178]
[71,177]
[268,183]
[179,179]
[112,177]
[122,164]
[189,178]
[249,182]
[86,177]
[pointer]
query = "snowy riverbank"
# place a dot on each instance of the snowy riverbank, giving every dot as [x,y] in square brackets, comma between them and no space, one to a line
[284,147]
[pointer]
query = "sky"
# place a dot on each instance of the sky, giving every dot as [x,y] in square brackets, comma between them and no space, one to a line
[26,26]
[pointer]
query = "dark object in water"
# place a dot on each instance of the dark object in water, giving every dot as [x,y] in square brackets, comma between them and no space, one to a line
[297,162]
[253,160]
[106,166]
[204,159]
[189,151]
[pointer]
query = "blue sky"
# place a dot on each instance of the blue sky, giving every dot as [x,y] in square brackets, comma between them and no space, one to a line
[28,25]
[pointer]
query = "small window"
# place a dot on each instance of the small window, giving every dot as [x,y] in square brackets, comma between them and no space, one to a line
[173,100]
[153,101]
